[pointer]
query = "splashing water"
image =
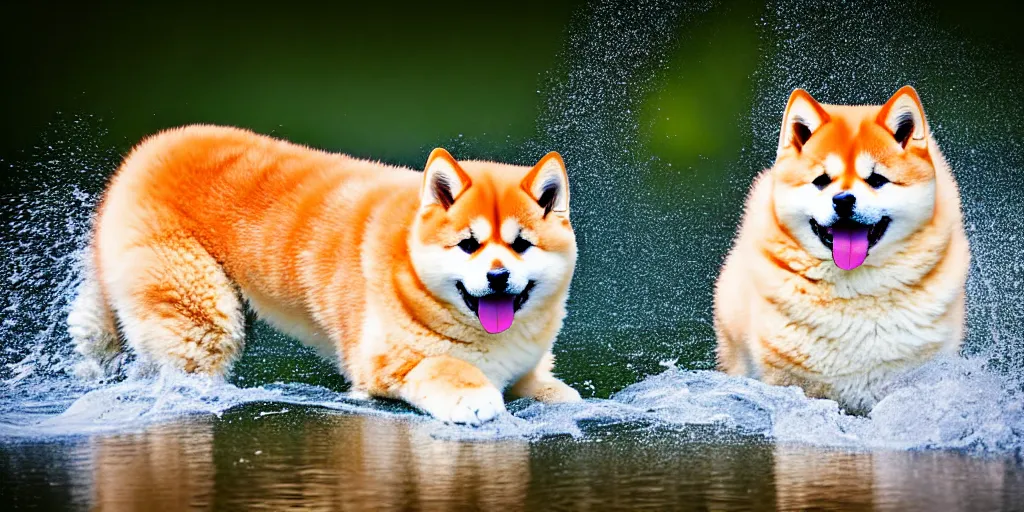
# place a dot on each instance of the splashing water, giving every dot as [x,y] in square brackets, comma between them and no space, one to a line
[625,315]
[948,404]
[45,224]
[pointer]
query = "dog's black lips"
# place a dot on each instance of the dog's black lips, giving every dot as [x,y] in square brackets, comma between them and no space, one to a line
[875,231]
[472,301]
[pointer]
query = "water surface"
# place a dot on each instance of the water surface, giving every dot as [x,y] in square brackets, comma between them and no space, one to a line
[276,457]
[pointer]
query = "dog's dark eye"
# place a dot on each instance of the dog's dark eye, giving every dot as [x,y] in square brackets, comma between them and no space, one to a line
[877,180]
[822,181]
[470,245]
[521,244]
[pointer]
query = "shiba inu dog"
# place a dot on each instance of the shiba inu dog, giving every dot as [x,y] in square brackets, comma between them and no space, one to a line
[851,259]
[440,288]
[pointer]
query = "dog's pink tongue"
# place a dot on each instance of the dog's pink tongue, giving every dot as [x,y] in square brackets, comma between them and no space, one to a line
[849,246]
[496,312]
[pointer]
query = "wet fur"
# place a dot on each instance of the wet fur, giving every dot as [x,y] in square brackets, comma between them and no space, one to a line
[786,314]
[353,257]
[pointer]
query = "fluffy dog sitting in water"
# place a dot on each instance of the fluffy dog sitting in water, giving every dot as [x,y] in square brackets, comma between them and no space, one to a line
[851,260]
[440,288]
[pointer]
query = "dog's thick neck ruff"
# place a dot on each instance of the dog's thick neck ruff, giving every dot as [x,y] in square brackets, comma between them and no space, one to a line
[850,328]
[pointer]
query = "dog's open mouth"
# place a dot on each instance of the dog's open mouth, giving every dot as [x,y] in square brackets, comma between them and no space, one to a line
[849,240]
[495,310]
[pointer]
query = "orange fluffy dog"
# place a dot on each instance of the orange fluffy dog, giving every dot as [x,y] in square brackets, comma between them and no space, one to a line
[440,289]
[851,261]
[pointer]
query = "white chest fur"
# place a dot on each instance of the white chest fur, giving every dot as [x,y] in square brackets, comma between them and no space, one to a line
[856,332]
[506,357]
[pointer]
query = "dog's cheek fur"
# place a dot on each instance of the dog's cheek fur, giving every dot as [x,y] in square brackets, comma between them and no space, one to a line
[795,206]
[557,259]
[551,260]
[438,270]
[910,209]
[548,270]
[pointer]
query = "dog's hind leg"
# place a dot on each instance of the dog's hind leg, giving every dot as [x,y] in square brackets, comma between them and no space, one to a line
[92,329]
[175,304]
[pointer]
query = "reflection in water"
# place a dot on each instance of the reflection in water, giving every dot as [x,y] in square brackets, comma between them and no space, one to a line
[812,478]
[272,461]
[271,458]
[168,467]
[632,466]
[361,462]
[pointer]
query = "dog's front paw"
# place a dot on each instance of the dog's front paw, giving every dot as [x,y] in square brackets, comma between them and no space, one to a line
[452,391]
[473,406]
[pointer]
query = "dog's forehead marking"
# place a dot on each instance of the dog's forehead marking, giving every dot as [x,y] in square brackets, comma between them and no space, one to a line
[509,230]
[481,228]
[864,164]
[834,165]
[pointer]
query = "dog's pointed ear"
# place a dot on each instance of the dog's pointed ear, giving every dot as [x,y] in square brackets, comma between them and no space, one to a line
[443,180]
[803,117]
[548,184]
[903,116]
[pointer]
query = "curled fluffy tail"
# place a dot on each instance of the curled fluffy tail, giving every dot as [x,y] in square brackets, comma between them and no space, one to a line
[92,328]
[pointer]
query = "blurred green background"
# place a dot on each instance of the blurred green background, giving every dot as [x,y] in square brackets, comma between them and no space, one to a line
[376,79]
[664,111]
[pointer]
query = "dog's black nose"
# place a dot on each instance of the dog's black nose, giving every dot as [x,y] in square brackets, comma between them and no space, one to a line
[498,279]
[843,203]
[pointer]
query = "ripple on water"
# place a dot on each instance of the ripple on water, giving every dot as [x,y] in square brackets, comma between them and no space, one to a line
[949,404]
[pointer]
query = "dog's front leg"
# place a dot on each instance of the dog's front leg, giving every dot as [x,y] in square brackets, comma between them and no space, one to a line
[452,390]
[542,385]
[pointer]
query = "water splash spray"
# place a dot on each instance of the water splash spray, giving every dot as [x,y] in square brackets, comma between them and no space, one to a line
[45,214]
